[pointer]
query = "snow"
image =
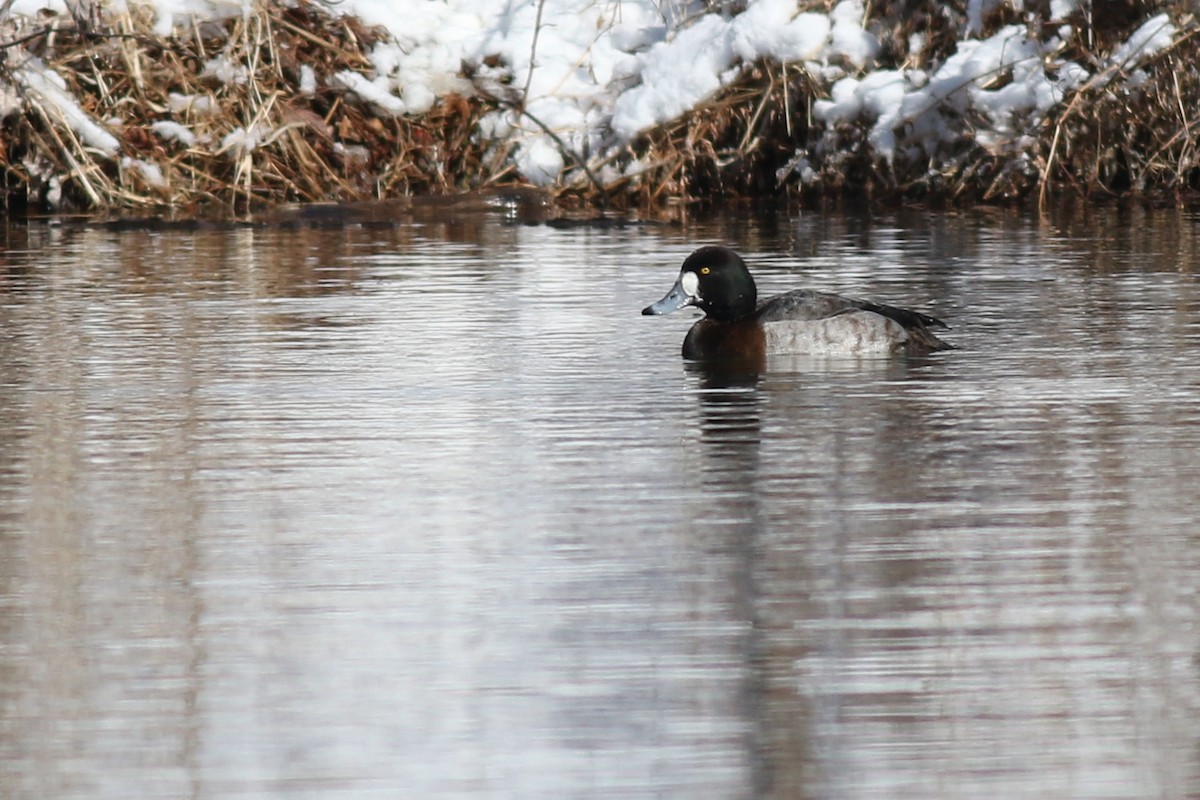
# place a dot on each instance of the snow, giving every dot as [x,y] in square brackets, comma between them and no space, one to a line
[590,76]
[1154,35]
[149,172]
[848,39]
[174,132]
[226,71]
[540,161]
[375,91]
[308,80]
[677,74]
[241,141]
[667,89]
[31,8]
[47,87]
[172,14]
[879,97]
[928,111]
[1061,9]
[185,104]
[772,27]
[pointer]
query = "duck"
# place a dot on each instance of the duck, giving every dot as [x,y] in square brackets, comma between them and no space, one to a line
[736,325]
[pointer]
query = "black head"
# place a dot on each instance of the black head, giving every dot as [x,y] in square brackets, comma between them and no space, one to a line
[715,280]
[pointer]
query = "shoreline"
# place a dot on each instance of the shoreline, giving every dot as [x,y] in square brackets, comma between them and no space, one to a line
[286,104]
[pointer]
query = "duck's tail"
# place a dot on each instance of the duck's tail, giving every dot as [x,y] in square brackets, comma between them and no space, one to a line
[906,317]
[921,340]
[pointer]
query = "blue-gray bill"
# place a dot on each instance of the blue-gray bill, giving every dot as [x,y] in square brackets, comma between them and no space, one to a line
[674,300]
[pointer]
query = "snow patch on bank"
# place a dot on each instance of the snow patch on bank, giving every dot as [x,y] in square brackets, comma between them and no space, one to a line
[48,90]
[579,80]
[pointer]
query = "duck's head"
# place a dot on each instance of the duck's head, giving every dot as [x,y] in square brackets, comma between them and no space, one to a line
[714,280]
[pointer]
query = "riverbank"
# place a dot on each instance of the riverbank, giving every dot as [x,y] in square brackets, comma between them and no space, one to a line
[192,108]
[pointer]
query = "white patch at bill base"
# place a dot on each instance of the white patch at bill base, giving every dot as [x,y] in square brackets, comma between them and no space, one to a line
[690,282]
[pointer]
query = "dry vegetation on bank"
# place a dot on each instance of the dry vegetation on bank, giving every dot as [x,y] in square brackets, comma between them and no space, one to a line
[1110,138]
[260,141]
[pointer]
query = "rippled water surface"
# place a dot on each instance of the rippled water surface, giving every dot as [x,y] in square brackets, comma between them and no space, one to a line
[430,511]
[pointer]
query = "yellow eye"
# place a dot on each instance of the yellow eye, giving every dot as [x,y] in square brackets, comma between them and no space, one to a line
[705,270]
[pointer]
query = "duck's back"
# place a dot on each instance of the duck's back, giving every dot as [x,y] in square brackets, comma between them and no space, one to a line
[803,305]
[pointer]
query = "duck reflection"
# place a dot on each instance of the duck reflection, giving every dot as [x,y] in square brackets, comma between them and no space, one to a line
[731,432]
[730,422]
[728,394]
[740,527]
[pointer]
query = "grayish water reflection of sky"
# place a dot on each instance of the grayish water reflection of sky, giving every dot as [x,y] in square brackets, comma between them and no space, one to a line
[431,511]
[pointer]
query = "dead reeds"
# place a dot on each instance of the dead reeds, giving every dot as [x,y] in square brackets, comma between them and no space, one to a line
[1127,132]
[733,144]
[218,117]
[1120,137]
[248,112]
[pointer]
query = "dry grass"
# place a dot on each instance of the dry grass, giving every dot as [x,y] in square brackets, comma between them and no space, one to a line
[732,144]
[259,141]
[1111,137]
[1118,139]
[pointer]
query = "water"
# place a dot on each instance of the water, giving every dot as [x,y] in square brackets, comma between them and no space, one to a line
[430,511]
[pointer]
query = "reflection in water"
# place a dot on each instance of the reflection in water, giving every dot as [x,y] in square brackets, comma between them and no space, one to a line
[425,510]
[731,439]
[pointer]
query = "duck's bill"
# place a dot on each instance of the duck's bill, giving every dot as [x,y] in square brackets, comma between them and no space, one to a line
[676,299]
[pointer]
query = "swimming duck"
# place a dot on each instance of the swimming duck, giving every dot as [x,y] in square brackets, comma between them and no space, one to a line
[717,281]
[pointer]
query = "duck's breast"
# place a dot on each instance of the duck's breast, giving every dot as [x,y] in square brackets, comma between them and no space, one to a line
[711,339]
[852,333]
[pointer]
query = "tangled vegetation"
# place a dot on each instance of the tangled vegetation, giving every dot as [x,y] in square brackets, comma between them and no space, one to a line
[225,117]
[1122,133]
[193,139]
